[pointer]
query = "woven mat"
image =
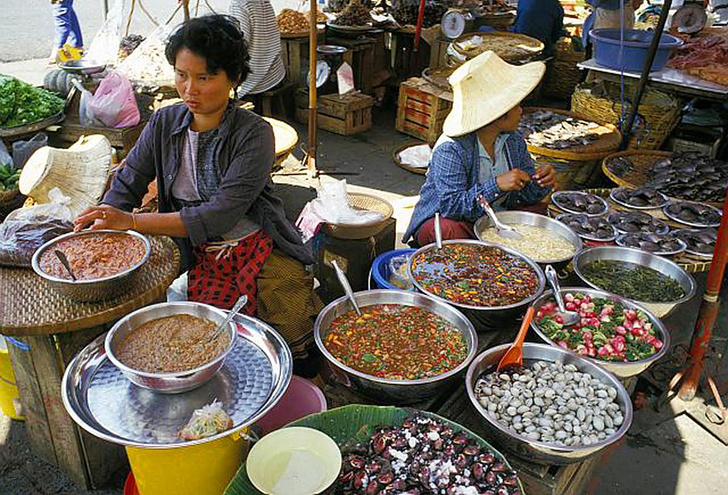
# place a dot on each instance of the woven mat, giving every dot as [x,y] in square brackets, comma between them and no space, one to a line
[32,307]
[689,262]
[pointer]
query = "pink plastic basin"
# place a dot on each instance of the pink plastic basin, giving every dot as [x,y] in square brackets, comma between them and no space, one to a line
[301,399]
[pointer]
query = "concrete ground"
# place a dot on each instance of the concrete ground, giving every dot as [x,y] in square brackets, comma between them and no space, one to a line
[664,453]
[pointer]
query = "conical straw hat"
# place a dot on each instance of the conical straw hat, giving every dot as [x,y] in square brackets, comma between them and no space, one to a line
[486,88]
[80,172]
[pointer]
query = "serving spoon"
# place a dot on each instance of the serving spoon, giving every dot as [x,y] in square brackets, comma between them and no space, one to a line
[503,230]
[438,231]
[64,261]
[242,301]
[347,287]
[570,317]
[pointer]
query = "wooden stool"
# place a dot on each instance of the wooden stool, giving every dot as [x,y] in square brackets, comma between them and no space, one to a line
[272,103]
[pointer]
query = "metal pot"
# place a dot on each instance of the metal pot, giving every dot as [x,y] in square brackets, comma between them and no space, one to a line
[642,258]
[507,309]
[619,369]
[95,289]
[168,383]
[386,390]
[536,220]
[536,451]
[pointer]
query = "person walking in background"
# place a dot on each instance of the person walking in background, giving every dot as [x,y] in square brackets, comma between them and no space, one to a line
[259,26]
[540,19]
[68,41]
[607,13]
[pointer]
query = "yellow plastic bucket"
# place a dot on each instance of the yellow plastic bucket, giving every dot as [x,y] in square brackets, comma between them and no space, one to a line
[203,469]
[9,400]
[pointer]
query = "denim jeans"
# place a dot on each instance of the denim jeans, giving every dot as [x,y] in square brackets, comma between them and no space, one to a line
[67,27]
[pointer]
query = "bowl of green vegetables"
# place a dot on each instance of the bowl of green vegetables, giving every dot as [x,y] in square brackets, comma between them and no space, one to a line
[653,282]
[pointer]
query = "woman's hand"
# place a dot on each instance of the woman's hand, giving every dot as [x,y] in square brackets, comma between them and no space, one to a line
[104,217]
[545,175]
[513,180]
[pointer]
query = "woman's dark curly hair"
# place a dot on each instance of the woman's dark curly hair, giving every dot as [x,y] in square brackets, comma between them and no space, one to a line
[218,39]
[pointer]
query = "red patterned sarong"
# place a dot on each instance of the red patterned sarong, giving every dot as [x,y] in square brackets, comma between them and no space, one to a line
[224,271]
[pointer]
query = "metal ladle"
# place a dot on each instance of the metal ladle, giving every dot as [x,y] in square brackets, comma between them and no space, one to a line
[503,230]
[570,317]
[347,287]
[438,231]
[242,301]
[64,261]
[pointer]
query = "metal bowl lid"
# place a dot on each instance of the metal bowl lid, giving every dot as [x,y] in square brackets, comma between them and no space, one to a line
[106,404]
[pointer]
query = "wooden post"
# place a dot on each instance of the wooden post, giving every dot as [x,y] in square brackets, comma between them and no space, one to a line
[708,312]
[186,8]
[312,42]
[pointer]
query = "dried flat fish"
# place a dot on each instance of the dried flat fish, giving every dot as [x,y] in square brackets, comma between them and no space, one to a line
[652,243]
[590,228]
[553,130]
[690,175]
[641,197]
[579,202]
[699,241]
[634,222]
[693,214]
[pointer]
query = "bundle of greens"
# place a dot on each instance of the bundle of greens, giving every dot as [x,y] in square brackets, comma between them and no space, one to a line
[22,104]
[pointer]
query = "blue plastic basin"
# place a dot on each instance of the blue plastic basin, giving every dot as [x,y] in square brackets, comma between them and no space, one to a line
[380,268]
[633,53]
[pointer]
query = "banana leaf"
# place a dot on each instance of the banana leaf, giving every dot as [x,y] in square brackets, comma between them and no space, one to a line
[354,423]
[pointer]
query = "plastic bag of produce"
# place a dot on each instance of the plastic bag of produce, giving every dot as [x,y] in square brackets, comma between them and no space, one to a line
[26,229]
[23,149]
[114,102]
[4,155]
[206,422]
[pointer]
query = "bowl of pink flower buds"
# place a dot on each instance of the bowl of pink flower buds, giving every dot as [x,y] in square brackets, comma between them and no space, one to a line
[614,332]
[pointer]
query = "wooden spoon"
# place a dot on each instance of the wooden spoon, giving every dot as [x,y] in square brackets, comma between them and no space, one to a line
[514,354]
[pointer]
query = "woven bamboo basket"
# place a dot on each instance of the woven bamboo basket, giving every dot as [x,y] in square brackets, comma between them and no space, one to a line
[659,111]
[395,156]
[562,74]
[361,201]
[511,47]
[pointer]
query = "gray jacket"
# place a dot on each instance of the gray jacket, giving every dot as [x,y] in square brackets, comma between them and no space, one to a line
[245,153]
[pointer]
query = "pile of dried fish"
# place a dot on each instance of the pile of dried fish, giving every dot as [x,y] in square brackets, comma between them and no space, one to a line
[699,241]
[355,14]
[642,197]
[406,13]
[590,228]
[692,176]
[579,202]
[653,243]
[620,166]
[693,214]
[556,131]
[634,222]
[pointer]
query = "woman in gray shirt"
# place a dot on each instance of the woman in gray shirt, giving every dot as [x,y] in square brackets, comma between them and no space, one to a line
[212,162]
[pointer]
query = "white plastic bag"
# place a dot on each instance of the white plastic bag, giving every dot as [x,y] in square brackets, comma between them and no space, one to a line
[114,102]
[85,114]
[148,63]
[105,45]
[333,205]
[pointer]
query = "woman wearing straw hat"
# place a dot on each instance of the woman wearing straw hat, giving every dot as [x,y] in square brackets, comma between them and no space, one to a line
[480,152]
[212,162]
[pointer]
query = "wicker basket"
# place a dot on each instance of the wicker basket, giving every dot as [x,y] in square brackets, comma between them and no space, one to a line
[362,231]
[562,74]
[659,111]
[395,157]
[642,161]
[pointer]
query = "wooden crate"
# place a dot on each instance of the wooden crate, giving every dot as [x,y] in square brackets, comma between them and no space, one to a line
[345,115]
[294,53]
[360,56]
[421,109]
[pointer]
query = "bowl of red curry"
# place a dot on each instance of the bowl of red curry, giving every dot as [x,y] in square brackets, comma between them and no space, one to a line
[104,263]
[476,275]
[167,347]
[404,347]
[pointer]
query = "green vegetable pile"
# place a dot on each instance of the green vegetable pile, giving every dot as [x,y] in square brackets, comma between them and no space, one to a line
[21,103]
[9,177]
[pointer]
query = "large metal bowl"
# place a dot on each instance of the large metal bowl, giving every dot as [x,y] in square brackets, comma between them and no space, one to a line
[536,451]
[507,309]
[95,289]
[386,390]
[622,369]
[642,258]
[168,383]
[535,220]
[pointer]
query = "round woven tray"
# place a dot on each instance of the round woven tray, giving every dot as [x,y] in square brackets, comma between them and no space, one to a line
[511,47]
[639,175]
[33,127]
[286,138]
[395,156]
[30,306]
[361,201]
[608,141]
[689,262]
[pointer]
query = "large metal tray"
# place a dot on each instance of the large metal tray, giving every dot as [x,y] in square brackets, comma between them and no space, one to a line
[106,404]
[21,130]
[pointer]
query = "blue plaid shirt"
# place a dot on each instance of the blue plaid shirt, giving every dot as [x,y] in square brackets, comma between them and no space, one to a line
[452,182]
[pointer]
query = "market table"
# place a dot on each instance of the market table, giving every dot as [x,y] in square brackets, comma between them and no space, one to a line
[667,79]
[48,329]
